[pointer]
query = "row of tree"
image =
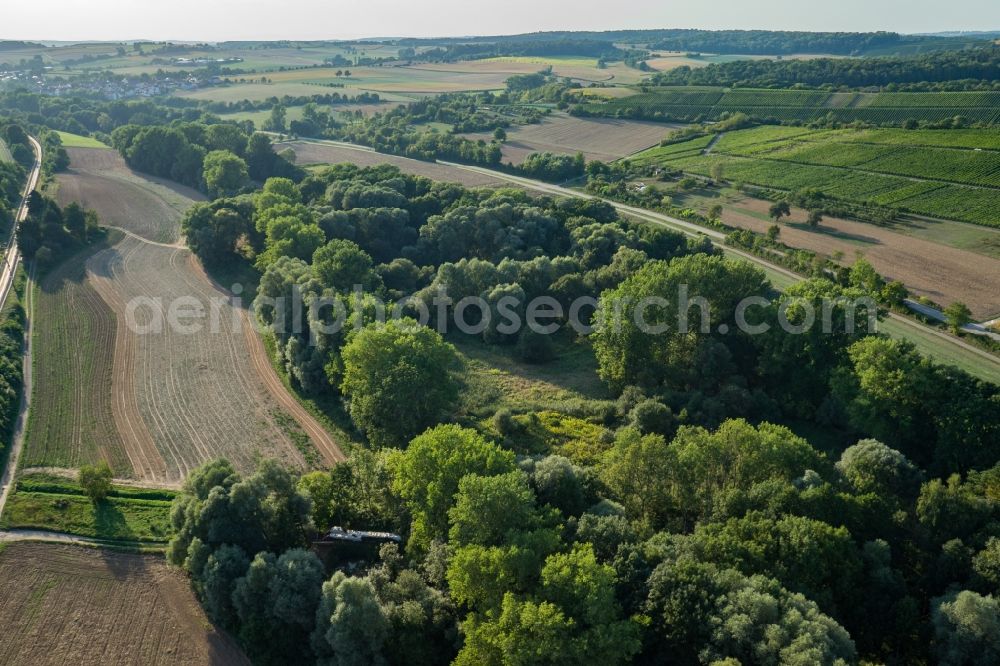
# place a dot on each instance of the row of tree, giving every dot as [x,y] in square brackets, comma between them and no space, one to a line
[968,69]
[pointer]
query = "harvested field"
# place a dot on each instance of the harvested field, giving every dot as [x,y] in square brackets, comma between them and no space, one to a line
[98,178]
[604,139]
[943,274]
[312,152]
[72,605]
[74,342]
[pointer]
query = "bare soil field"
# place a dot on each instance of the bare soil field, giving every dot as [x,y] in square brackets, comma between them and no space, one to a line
[943,274]
[74,342]
[98,178]
[604,139]
[309,152]
[191,391]
[73,605]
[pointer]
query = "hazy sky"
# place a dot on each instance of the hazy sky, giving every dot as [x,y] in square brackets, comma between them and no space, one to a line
[217,20]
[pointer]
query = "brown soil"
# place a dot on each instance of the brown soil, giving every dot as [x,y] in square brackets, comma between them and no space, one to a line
[604,139]
[321,153]
[199,394]
[943,274]
[99,179]
[72,605]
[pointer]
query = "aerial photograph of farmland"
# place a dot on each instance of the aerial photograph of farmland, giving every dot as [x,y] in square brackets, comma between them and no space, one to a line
[392,334]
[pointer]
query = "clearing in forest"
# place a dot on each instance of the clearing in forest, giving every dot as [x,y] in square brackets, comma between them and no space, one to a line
[73,605]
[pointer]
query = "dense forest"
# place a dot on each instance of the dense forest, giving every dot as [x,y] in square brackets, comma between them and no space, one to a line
[761,499]
[750,42]
[969,69]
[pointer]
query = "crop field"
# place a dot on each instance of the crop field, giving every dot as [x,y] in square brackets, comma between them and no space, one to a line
[319,152]
[99,179]
[685,104]
[73,605]
[898,168]
[73,344]
[5,155]
[604,139]
[189,393]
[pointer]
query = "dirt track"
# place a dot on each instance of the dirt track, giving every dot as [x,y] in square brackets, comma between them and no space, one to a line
[73,605]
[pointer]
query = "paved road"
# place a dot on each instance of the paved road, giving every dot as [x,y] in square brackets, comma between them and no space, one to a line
[11,259]
[937,315]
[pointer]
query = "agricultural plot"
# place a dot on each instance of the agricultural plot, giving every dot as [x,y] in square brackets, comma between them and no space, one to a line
[903,169]
[77,141]
[192,391]
[927,267]
[99,179]
[66,604]
[602,139]
[319,152]
[5,155]
[73,347]
[683,104]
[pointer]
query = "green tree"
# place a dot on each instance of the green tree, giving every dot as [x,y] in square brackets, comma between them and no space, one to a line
[276,121]
[428,472]
[815,218]
[393,364]
[341,264]
[958,315]
[276,603]
[872,467]
[96,481]
[646,334]
[966,629]
[224,173]
[351,628]
[778,210]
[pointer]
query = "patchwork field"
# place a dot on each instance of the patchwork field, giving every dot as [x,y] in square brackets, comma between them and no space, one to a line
[72,605]
[691,103]
[99,179]
[316,152]
[926,172]
[154,401]
[604,139]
